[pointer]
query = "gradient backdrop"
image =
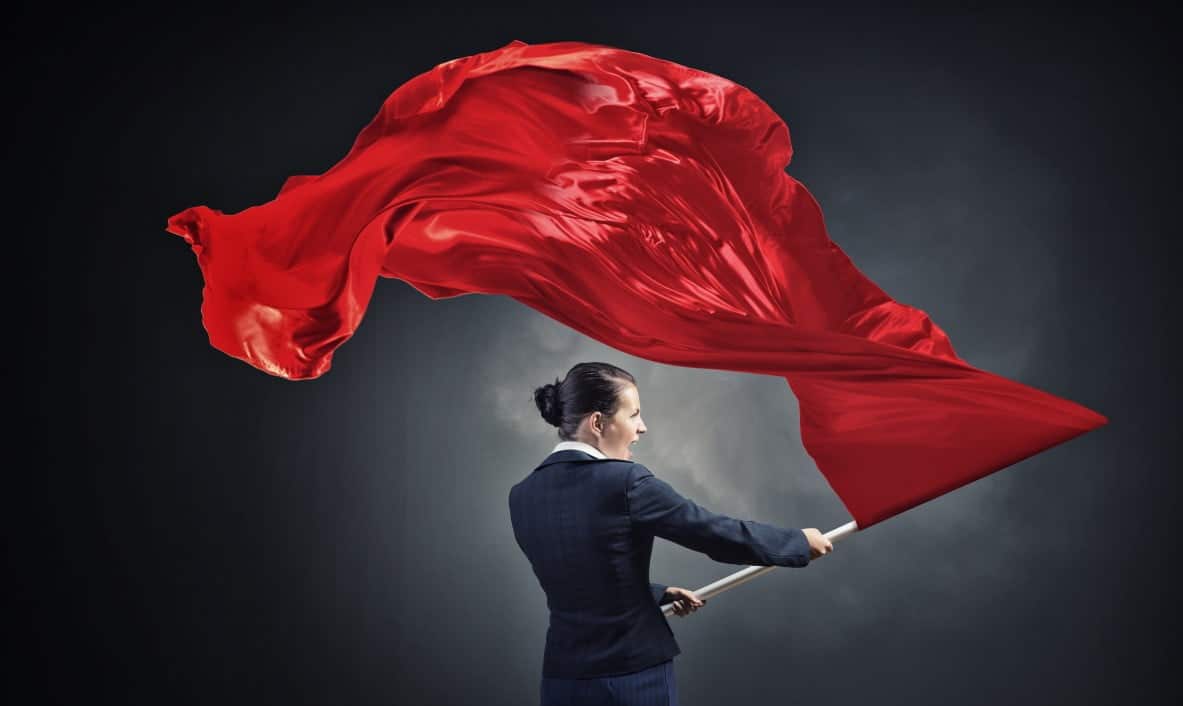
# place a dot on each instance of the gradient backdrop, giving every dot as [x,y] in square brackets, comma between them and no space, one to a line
[204,533]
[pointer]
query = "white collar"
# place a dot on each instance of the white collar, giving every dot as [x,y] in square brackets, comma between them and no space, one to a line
[579,446]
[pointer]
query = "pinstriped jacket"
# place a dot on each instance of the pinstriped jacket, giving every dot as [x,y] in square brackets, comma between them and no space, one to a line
[586,523]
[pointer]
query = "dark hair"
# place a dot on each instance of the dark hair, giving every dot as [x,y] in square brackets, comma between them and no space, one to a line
[588,387]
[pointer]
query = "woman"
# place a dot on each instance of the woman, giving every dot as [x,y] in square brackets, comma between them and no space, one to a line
[586,518]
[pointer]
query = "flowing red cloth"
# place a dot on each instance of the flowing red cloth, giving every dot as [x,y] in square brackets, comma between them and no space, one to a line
[646,205]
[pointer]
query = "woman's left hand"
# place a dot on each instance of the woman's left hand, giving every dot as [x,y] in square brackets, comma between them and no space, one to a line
[685,602]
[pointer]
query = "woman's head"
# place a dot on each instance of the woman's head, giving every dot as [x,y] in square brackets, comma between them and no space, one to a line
[598,404]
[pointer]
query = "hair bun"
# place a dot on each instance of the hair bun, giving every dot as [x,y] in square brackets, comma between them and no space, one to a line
[547,399]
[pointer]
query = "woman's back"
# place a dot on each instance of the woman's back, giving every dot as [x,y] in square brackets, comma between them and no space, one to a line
[571,519]
[587,526]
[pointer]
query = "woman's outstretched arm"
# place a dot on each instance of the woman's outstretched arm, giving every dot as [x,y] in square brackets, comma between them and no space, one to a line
[656,506]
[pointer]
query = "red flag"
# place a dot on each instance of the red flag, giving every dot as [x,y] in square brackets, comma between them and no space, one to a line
[644,204]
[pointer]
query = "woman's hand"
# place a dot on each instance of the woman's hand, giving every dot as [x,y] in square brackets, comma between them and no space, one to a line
[686,602]
[818,544]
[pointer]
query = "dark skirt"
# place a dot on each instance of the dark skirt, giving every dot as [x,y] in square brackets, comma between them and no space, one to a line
[654,686]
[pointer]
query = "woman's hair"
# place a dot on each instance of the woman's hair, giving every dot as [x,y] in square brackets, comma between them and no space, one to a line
[588,387]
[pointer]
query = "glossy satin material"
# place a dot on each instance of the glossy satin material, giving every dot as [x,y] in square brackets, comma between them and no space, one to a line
[644,204]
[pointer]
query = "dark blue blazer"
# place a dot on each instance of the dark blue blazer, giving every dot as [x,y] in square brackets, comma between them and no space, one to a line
[587,527]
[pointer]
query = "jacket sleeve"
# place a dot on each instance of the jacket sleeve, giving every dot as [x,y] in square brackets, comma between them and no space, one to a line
[657,507]
[658,592]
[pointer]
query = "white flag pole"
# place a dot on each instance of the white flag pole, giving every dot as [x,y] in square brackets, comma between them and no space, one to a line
[729,582]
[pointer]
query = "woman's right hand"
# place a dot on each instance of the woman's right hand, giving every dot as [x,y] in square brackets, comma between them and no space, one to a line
[818,544]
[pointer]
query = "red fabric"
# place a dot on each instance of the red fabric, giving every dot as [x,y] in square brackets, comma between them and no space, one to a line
[644,204]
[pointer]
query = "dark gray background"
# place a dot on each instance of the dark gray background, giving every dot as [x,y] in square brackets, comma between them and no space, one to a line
[205,533]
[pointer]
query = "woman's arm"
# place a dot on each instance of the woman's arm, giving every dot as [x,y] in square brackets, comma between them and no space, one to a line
[656,506]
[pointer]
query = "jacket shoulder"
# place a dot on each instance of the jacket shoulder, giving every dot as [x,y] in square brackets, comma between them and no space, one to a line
[620,467]
[637,471]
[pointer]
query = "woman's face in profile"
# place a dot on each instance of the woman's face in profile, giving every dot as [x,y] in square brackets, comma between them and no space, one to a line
[624,428]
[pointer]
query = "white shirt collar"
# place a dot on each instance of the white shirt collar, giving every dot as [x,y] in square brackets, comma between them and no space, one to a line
[579,446]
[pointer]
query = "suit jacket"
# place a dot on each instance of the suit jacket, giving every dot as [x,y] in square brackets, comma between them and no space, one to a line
[587,527]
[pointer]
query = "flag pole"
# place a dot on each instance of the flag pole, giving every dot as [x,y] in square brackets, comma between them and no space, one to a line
[745,575]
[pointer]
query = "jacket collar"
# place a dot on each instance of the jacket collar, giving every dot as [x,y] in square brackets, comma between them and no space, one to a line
[579,446]
[572,451]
